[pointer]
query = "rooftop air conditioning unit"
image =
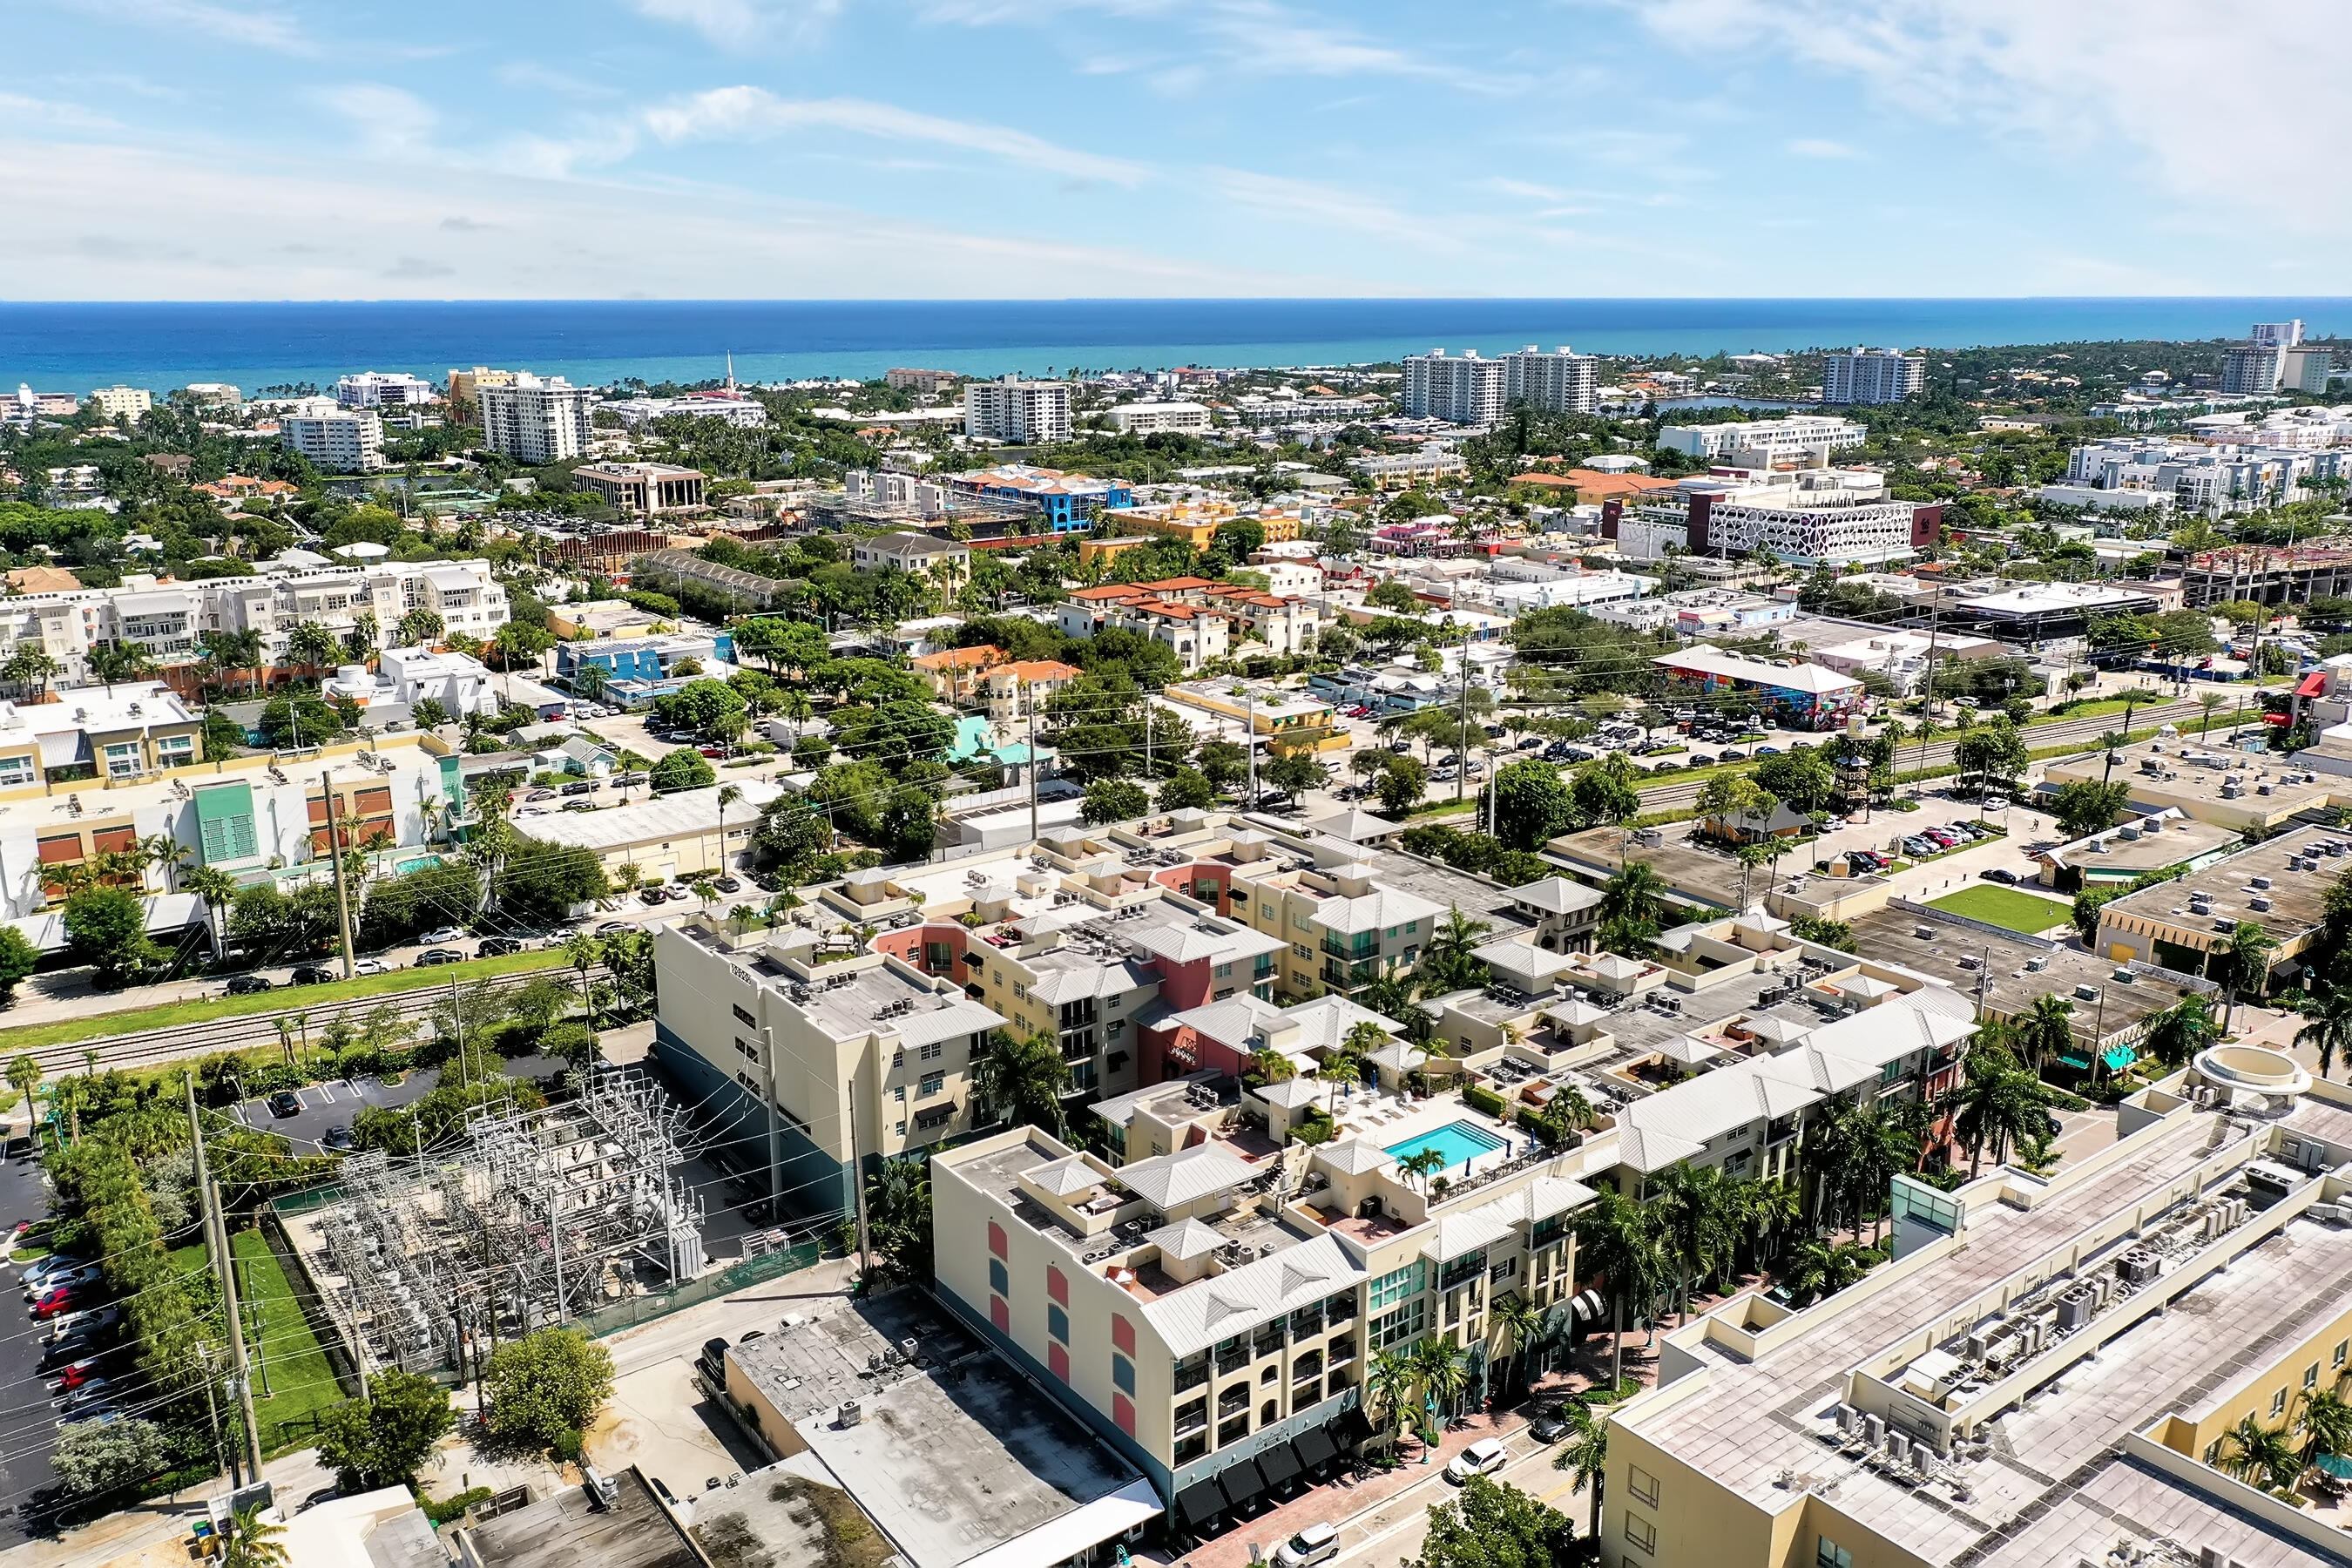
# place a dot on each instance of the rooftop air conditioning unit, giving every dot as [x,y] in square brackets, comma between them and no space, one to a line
[2258,905]
[2261,884]
[2086,993]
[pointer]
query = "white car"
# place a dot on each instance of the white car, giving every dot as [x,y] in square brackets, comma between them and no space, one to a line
[440,935]
[1482,1457]
[371,966]
[1318,1543]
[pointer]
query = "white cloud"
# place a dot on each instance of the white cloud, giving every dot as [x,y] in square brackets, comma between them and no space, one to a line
[382,233]
[2085,81]
[746,113]
[389,121]
[38,112]
[737,23]
[256,30]
[1813,147]
[1304,200]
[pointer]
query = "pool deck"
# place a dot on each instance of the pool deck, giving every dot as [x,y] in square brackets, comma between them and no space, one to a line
[1427,1117]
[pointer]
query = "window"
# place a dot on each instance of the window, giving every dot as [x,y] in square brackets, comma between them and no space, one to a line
[2278,1404]
[897,1060]
[1265,912]
[933,1082]
[1122,1334]
[749,1021]
[898,1093]
[1391,1289]
[1643,1486]
[1397,1327]
[931,1052]
[1057,1323]
[2342,1348]
[1115,1028]
[2311,1375]
[1827,1554]
[999,1281]
[1225,972]
[1642,1535]
[1116,1002]
[902,1130]
[747,1049]
[1122,1375]
[1020,992]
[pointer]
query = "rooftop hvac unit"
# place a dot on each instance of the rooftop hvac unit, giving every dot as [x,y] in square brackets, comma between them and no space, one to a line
[1874,1429]
[2086,993]
[1845,1415]
[1924,933]
[2261,884]
[850,1414]
[2137,1267]
[2258,904]
[1898,1448]
[1973,1348]
[2073,1310]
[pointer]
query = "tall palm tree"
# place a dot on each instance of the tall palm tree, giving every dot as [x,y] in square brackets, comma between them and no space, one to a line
[217,888]
[1388,1388]
[2261,1455]
[1617,1239]
[2324,1417]
[1521,1321]
[1636,894]
[2112,743]
[2000,1106]
[2245,965]
[1023,1079]
[1443,1372]
[2176,1033]
[1690,1206]
[2330,1027]
[2046,1030]
[1450,960]
[727,795]
[1583,1452]
[1424,1164]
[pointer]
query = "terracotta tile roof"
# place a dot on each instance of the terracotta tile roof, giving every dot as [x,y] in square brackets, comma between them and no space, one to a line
[1034,670]
[1179,585]
[1107,593]
[960,658]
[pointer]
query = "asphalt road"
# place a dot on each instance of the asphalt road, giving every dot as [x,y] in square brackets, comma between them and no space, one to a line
[28,1428]
[1392,1532]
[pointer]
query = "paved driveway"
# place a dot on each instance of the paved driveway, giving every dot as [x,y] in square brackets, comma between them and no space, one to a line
[339,1102]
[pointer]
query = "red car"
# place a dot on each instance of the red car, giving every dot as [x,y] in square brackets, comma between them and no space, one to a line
[49,1303]
[74,1375]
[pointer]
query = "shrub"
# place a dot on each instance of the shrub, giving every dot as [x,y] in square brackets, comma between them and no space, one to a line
[1479,1098]
[449,1508]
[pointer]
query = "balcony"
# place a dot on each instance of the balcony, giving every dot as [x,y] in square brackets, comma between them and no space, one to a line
[1193,1417]
[1190,1374]
[1348,977]
[1232,1356]
[1358,950]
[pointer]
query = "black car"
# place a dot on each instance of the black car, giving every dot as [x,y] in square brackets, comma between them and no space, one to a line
[654,895]
[496,947]
[713,1358]
[311,975]
[582,787]
[246,984]
[336,1138]
[1734,754]
[2001,874]
[286,1102]
[1547,1424]
[438,955]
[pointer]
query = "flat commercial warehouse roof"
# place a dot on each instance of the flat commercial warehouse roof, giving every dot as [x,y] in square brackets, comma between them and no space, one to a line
[1972,960]
[955,1460]
[1694,874]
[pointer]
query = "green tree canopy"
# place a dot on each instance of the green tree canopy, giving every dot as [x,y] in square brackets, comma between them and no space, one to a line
[546,1388]
[383,1439]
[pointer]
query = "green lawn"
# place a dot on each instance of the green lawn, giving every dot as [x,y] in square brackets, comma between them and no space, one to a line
[302,1382]
[2004,907]
[305,999]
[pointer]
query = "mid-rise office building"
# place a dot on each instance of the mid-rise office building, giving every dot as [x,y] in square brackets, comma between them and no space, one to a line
[1028,413]
[645,488]
[1461,390]
[380,389]
[730,408]
[535,420]
[1561,382]
[1833,517]
[347,442]
[1871,376]
[466,389]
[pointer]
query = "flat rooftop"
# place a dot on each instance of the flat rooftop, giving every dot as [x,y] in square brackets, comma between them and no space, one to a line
[2297,898]
[954,1456]
[1754,1422]
[2138,847]
[2185,771]
[566,1528]
[1691,873]
[1975,962]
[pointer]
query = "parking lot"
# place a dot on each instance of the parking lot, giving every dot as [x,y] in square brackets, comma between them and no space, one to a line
[337,1103]
[28,1431]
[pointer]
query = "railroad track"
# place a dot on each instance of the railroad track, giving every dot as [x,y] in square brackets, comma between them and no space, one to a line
[148,1048]
[1684,793]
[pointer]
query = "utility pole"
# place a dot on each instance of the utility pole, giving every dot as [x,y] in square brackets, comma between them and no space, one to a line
[1029,702]
[335,850]
[1249,738]
[223,1269]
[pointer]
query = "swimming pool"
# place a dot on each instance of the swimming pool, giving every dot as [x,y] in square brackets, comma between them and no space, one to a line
[1459,1141]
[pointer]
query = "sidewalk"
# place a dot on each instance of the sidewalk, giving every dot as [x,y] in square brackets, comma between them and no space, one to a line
[157,1530]
[1383,1499]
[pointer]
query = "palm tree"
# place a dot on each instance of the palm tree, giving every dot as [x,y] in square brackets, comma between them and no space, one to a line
[1617,1238]
[1442,1372]
[1634,894]
[1024,1080]
[2245,965]
[1519,1317]
[2000,1106]
[312,645]
[2176,1033]
[1818,1269]
[1450,960]
[2329,1030]
[163,849]
[286,1039]
[2112,743]
[2209,701]
[1749,856]
[215,888]
[1766,1210]
[1567,1112]
[1583,1452]
[2261,1455]
[253,1541]
[2046,1030]
[1690,1209]
[2324,1419]
[30,667]
[24,1077]
[1387,1386]
[1269,1065]
[1424,1164]
[727,795]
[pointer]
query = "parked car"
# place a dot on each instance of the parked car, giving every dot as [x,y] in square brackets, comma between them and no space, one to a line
[1317,1542]
[1700,760]
[714,752]
[246,984]
[2001,874]
[726,884]
[1995,803]
[579,806]
[1482,1457]
[49,1303]
[1547,1424]
[1733,754]
[539,795]
[285,1102]
[80,1277]
[1767,751]
[336,1138]
[654,895]
[496,947]
[75,1374]
[1920,847]
[583,786]
[1441,774]
[614,928]
[1528,742]
[97,1393]
[371,966]
[1576,754]
[433,957]
[309,974]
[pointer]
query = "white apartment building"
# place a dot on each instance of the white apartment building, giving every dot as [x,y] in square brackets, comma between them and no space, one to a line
[536,420]
[1562,382]
[216,394]
[1029,412]
[1146,419]
[2276,334]
[349,442]
[1268,413]
[1466,390]
[1805,438]
[462,593]
[2209,478]
[2252,370]
[117,402]
[1833,517]
[378,389]
[743,413]
[1871,376]
[408,676]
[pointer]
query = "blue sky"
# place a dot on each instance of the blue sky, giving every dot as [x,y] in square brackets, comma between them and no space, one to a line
[241,149]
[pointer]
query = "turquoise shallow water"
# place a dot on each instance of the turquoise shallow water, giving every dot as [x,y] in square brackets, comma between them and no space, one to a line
[1459,1141]
[75,347]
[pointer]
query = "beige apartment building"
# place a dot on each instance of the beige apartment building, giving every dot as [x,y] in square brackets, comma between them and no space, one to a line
[2047,1373]
[648,490]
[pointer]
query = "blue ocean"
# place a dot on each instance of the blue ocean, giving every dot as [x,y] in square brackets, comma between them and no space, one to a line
[75,347]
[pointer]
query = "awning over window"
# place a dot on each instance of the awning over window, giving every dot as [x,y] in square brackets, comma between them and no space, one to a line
[1351,1428]
[1278,1465]
[1242,1482]
[1315,1447]
[1200,1502]
[2117,1058]
[2312,685]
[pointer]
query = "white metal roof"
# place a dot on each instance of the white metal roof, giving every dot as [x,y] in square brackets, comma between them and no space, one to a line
[1237,1300]
[1167,1180]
